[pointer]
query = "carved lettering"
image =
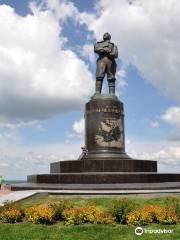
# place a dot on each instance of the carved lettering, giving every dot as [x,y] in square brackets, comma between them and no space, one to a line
[106,110]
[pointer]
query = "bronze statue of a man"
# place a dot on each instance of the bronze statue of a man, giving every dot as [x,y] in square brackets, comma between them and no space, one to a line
[106,64]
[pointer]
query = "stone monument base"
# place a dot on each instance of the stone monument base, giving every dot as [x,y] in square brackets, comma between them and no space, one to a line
[104,178]
[109,171]
[104,160]
[104,189]
[114,164]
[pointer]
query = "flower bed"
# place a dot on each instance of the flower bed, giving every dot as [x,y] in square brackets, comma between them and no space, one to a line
[11,213]
[152,214]
[40,214]
[122,211]
[92,214]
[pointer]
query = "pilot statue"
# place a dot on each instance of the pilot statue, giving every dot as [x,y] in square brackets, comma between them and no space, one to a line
[106,64]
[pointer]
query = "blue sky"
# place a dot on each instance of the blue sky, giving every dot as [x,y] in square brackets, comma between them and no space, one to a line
[47,74]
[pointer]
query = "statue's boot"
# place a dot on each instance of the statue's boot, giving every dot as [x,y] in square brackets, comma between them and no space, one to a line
[98,86]
[111,87]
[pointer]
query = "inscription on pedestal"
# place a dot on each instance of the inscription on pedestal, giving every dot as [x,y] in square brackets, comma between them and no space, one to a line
[108,109]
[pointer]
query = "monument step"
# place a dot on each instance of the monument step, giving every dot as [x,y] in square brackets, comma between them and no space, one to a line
[104,165]
[104,177]
[120,188]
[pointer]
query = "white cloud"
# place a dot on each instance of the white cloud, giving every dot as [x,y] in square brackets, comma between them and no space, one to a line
[17,161]
[154,124]
[122,75]
[38,76]
[88,52]
[76,133]
[167,155]
[121,82]
[14,158]
[147,34]
[172,116]
[63,9]
[10,137]
[21,124]
[78,126]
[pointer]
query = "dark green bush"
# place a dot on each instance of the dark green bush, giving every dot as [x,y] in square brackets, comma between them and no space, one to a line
[121,208]
[59,207]
[175,203]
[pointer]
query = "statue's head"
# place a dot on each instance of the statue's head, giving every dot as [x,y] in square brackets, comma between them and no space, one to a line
[106,36]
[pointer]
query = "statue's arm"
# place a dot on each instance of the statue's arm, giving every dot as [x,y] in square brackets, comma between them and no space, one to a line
[98,48]
[114,52]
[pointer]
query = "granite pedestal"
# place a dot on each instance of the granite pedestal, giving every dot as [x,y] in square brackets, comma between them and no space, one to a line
[104,160]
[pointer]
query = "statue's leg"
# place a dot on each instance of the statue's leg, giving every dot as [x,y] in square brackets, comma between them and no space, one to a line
[111,71]
[99,82]
[100,73]
[111,83]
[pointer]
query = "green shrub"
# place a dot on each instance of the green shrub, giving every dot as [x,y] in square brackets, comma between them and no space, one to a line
[173,202]
[59,207]
[121,208]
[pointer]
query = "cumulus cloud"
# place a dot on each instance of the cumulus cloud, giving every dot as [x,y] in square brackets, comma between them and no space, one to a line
[9,137]
[78,126]
[63,9]
[167,155]
[38,76]
[15,158]
[147,34]
[121,82]
[76,132]
[21,124]
[88,52]
[172,116]
[154,124]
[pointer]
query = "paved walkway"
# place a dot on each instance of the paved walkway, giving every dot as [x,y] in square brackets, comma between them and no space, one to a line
[4,192]
[20,195]
[16,196]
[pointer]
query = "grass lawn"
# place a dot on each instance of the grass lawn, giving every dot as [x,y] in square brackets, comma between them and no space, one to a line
[28,231]
[58,231]
[105,202]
